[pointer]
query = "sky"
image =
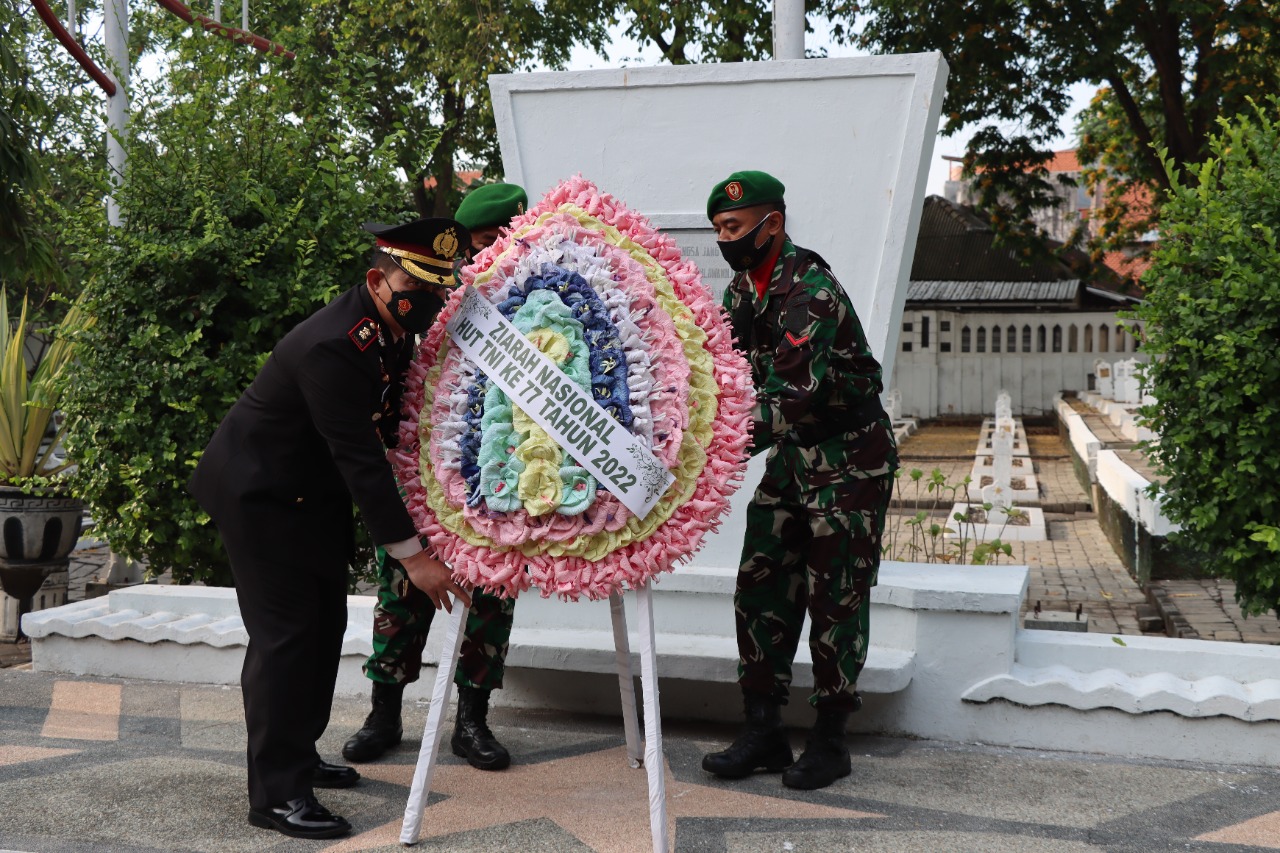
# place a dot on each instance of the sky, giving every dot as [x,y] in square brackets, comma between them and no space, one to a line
[626,51]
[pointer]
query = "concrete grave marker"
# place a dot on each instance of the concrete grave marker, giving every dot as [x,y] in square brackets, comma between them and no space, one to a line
[998,493]
[1127,390]
[893,404]
[1004,406]
[1103,380]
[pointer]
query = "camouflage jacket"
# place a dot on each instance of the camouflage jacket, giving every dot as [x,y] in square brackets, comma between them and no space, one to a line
[817,383]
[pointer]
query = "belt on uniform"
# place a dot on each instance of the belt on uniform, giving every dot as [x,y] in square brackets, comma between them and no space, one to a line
[851,420]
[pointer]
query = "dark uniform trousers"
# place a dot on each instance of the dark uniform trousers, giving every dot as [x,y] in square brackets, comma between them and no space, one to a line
[295,611]
[402,619]
[278,479]
[808,551]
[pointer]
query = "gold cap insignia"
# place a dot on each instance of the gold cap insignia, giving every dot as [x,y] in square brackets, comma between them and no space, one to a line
[446,244]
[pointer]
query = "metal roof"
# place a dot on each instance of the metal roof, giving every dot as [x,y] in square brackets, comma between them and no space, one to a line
[993,291]
[956,244]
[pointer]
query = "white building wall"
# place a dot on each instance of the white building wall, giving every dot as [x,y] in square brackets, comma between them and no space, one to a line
[951,363]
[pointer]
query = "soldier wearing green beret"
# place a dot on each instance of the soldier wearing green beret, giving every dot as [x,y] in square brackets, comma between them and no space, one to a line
[815,521]
[402,617]
[488,208]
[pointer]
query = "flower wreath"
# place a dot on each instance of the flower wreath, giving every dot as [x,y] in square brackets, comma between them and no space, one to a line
[607,297]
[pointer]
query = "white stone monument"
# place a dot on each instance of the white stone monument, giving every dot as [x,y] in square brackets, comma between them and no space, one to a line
[869,125]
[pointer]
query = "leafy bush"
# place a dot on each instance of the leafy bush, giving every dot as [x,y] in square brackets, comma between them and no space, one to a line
[241,220]
[29,397]
[1212,320]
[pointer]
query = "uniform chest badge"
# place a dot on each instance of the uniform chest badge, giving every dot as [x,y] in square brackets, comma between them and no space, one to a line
[363,334]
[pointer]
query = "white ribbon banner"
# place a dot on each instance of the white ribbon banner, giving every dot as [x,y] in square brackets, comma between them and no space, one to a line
[567,412]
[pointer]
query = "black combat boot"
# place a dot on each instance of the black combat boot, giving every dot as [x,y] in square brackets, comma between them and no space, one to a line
[763,743]
[825,758]
[382,729]
[472,738]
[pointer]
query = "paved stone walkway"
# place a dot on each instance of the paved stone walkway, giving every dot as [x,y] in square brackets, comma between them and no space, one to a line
[1210,608]
[118,766]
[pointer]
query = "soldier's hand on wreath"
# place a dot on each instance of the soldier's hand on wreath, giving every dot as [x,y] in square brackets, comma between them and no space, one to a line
[435,579]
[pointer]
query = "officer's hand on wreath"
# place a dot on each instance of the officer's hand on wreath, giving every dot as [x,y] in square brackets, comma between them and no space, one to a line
[435,579]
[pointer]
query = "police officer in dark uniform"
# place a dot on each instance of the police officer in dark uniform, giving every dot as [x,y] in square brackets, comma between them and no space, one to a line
[278,479]
[814,524]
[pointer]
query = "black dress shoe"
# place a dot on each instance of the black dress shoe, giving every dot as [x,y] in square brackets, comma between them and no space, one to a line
[300,818]
[333,776]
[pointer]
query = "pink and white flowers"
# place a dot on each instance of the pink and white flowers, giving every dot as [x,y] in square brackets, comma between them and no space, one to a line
[610,299]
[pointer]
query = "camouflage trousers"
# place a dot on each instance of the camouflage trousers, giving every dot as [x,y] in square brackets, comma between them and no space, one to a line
[403,616]
[798,557]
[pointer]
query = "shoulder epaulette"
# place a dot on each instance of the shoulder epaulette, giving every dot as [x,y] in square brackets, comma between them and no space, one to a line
[364,333]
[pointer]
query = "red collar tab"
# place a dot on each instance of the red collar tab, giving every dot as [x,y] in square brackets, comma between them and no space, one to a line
[364,333]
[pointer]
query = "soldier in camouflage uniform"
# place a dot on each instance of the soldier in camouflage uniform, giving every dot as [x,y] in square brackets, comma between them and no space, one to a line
[403,616]
[815,522]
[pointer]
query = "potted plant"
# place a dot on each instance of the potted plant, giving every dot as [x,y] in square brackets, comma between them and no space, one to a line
[39,519]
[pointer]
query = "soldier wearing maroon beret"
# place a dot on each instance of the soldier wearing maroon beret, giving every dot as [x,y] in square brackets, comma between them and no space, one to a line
[306,439]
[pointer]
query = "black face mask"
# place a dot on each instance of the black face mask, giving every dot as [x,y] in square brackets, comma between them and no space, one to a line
[743,254]
[414,310]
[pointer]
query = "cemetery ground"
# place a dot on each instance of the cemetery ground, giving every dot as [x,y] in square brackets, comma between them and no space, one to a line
[1077,566]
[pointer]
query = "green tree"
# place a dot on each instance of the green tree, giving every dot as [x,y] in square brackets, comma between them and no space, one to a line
[1167,70]
[714,31]
[1212,323]
[424,68]
[27,256]
[241,219]
[51,159]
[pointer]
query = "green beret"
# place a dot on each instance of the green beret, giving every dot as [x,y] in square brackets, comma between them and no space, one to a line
[744,189]
[492,204]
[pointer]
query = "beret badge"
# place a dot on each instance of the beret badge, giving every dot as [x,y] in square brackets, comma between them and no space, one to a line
[733,190]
